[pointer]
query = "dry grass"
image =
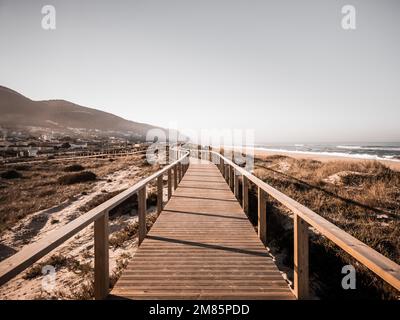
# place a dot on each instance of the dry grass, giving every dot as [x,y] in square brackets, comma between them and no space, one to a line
[39,188]
[59,261]
[361,198]
[129,232]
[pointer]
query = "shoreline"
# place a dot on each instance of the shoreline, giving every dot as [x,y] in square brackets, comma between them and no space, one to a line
[393,164]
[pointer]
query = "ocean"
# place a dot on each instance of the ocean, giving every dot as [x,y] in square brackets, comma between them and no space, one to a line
[378,151]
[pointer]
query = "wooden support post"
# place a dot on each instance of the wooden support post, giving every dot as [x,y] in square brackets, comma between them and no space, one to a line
[142,213]
[179,165]
[198,151]
[169,184]
[167,154]
[262,218]
[159,193]
[301,278]
[236,184]
[222,167]
[101,268]
[175,177]
[209,153]
[231,177]
[245,198]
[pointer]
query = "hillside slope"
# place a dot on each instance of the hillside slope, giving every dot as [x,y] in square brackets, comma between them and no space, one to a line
[19,111]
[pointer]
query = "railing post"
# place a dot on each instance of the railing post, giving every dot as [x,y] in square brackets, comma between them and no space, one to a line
[142,213]
[101,267]
[262,218]
[231,174]
[222,167]
[167,154]
[301,278]
[179,165]
[245,198]
[198,151]
[236,184]
[175,177]
[169,184]
[209,153]
[159,193]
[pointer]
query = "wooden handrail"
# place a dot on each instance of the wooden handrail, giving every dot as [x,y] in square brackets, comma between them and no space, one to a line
[15,264]
[385,268]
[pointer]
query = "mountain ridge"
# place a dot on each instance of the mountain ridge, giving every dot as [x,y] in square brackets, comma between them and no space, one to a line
[61,115]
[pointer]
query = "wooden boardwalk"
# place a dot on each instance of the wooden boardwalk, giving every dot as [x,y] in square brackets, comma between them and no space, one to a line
[202,246]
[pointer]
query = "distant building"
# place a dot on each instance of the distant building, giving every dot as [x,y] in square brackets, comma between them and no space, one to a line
[33,152]
[78,146]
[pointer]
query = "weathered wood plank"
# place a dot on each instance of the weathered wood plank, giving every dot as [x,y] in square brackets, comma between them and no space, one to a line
[301,278]
[202,246]
[101,266]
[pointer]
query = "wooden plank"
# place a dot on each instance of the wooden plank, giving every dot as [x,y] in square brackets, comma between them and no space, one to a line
[203,246]
[101,267]
[301,278]
[142,214]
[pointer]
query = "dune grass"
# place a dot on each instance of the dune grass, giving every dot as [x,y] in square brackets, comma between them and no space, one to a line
[361,198]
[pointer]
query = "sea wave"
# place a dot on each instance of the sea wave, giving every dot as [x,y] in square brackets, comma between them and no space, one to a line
[363,156]
[388,148]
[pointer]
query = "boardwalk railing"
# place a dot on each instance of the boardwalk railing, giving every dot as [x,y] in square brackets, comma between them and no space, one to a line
[12,266]
[303,219]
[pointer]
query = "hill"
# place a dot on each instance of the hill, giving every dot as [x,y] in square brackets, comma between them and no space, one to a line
[18,111]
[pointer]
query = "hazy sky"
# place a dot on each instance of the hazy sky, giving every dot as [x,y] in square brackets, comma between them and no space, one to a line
[286,69]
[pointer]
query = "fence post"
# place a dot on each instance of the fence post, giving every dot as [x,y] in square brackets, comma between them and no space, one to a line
[236,184]
[209,153]
[101,267]
[222,167]
[231,175]
[175,177]
[301,278]
[159,193]
[142,213]
[167,154]
[262,218]
[198,151]
[245,187]
[169,184]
